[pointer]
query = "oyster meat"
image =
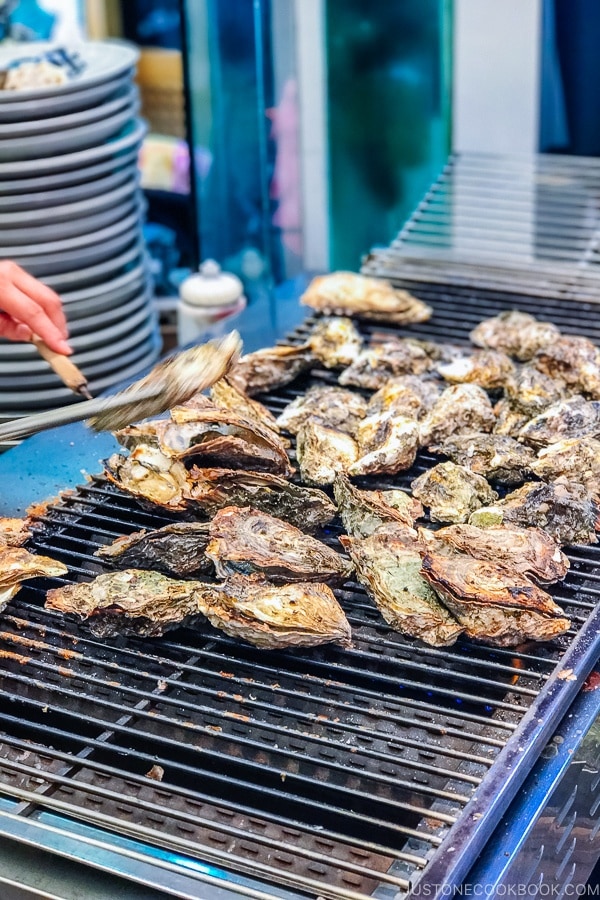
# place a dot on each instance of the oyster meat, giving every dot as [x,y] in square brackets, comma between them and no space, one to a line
[405,395]
[322,452]
[335,342]
[526,551]
[14,532]
[452,492]
[492,602]
[347,294]
[495,456]
[576,361]
[212,489]
[245,541]
[334,406]
[375,365]
[225,395]
[460,408]
[388,566]
[129,602]
[490,369]
[276,616]
[150,475]
[272,367]
[18,565]
[565,510]
[177,549]
[573,418]
[579,457]
[363,512]
[386,444]
[176,379]
[515,333]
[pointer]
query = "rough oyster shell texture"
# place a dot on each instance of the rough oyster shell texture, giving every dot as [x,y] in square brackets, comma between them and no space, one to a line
[496,457]
[388,565]
[272,367]
[452,492]
[576,361]
[494,604]
[460,408]
[177,550]
[335,342]
[150,475]
[375,365]
[322,452]
[347,293]
[386,444]
[515,333]
[363,512]
[404,395]
[226,395]
[334,406]
[573,418]
[14,532]
[246,541]
[18,565]
[574,456]
[490,369]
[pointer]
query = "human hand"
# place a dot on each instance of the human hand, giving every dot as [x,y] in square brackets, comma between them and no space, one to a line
[28,307]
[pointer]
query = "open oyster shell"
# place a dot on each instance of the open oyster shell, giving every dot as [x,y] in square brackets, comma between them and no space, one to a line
[363,512]
[494,604]
[226,395]
[18,565]
[452,492]
[515,333]
[386,444]
[347,294]
[176,550]
[150,475]
[322,452]
[490,369]
[335,342]
[246,540]
[272,367]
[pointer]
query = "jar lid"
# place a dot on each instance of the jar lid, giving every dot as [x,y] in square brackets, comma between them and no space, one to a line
[211,287]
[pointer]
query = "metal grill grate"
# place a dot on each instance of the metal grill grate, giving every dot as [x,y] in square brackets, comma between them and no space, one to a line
[338,773]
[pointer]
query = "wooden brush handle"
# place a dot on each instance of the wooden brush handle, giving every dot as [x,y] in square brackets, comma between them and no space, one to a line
[64,368]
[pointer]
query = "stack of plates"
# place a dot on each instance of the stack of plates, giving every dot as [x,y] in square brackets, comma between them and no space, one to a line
[71,213]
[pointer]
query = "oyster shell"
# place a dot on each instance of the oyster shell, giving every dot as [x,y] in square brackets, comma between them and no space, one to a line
[129,602]
[492,602]
[565,510]
[212,489]
[347,294]
[226,395]
[335,342]
[334,406]
[212,437]
[276,616]
[178,378]
[375,365]
[515,333]
[272,367]
[460,408]
[496,457]
[530,391]
[386,444]
[388,565]
[573,418]
[363,512]
[177,550]
[14,532]
[578,456]
[490,369]
[406,395]
[509,420]
[245,541]
[526,551]
[452,492]
[18,565]
[576,361]
[150,475]
[322,452]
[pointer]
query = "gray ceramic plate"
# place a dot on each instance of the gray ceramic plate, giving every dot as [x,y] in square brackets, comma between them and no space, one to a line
[131,136]
[106,294]
[38,125]
[33,201]
[78,176]
[69,211]
[75,229]
[67,260]
[26,110]
[81,277]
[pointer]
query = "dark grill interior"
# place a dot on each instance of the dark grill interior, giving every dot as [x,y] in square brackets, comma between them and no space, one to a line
[336,772]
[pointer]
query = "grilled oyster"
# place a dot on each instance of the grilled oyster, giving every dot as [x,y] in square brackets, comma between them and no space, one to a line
[460,408]
[14,532]
[177,549]
[226,395]
[150,475]
[334,406]
[515,333]
[18,565]
[386,444]
[212,437]
[247,541]
[493,603]
[509,420]
[576,361]
[388,565]
[565,510]
[490,369]
[530,391]
[452,492]
[335,342]
[177,378]
[573,418]
[525,551]
[272,367]
[322,452]
[276,616]
[212,489]
[375,365]
[347,294]
[576,456]
[129,602]
[406,395]
[495,456]
[363,512]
